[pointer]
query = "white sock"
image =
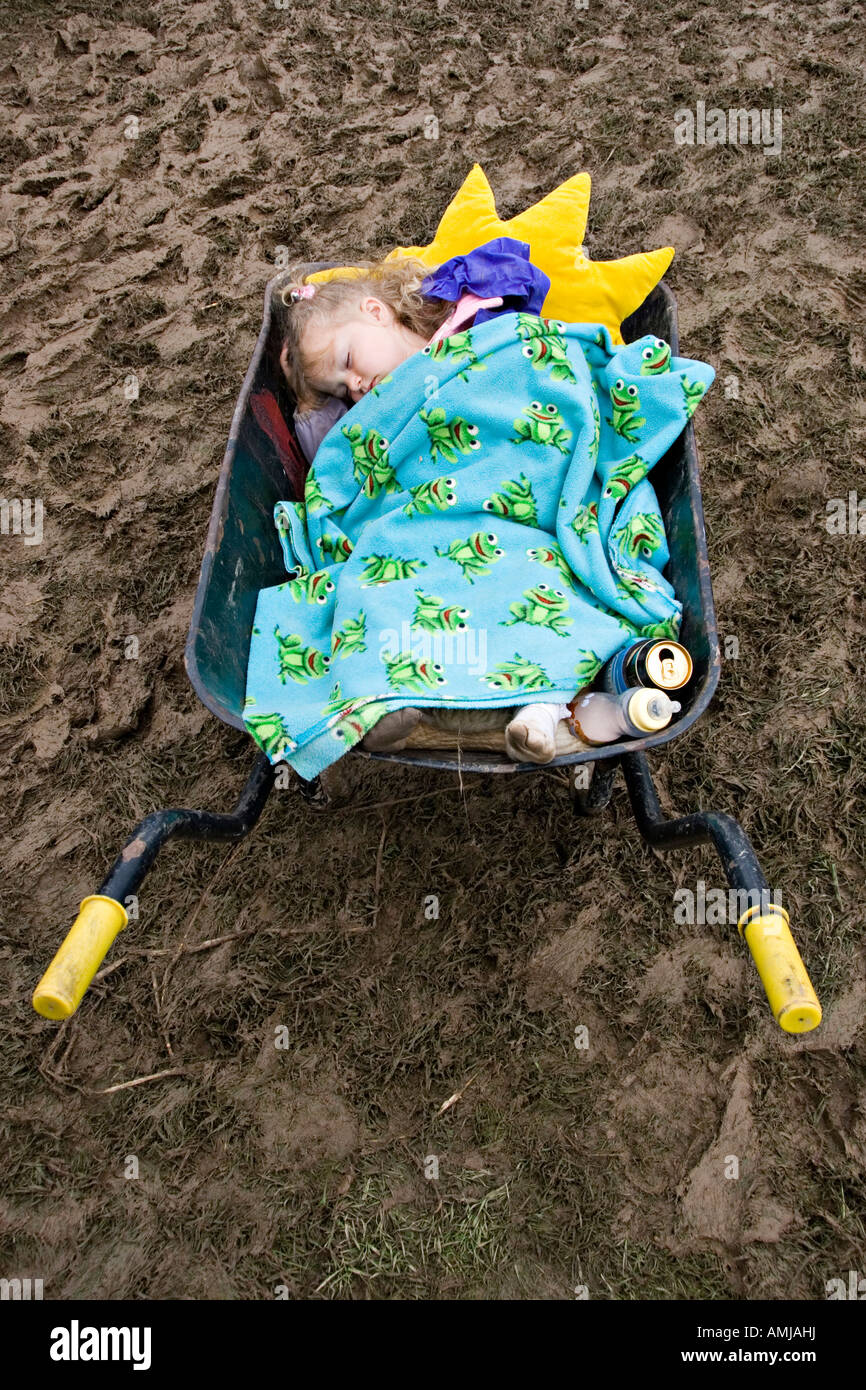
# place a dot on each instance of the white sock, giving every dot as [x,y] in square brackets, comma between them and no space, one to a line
[531,735]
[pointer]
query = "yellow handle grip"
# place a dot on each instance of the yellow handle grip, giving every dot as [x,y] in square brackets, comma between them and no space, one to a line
[793,1000]
[64,983]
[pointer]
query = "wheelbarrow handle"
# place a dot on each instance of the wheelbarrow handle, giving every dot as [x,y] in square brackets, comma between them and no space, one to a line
[768,936]
[64,983]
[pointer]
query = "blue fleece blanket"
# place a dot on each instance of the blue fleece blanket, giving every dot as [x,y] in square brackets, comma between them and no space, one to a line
[477,530]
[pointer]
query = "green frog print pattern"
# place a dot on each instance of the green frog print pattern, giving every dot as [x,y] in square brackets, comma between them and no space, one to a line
[336,548]
[692,394]
[315,587]
[433,615]
[552,556]
[517,674]
[281,521]
[632,584]
[641,535]
[298,662]
[436,496]
[270,733]
[669,627]
[475,555]
[457,349]
[405,672]
[623,476]
[584,523]
[596,428]
[336,702]
[515,502]
[542,424]
[543,607]
[354,715]
[625,404]
[372,471]
[358,719]
[587,668]
[350,637]
[655,358]
[544,346]
[314,498]
[386,569]
[449,437]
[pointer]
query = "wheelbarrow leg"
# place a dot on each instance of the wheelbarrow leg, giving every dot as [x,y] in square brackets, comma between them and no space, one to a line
[102,915]
[590,798]
[315,793]
[764,924]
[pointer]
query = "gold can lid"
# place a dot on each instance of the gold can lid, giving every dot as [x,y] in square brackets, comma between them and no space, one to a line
[668,665]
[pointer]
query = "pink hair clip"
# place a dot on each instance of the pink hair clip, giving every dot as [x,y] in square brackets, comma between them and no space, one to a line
[301,292]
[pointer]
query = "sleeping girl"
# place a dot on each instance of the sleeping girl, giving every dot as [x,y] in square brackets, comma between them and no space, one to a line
[345,335]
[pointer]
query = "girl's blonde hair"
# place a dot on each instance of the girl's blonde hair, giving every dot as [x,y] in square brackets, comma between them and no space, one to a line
[396,283]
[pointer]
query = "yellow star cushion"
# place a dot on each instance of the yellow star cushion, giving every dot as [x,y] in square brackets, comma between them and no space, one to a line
[581,290]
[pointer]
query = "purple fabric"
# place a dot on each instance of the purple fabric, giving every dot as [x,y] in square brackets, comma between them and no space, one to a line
[501,266]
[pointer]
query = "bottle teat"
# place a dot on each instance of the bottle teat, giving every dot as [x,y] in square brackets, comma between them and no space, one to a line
[650,709]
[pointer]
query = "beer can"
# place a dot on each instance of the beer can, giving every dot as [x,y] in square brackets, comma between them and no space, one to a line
[664,664]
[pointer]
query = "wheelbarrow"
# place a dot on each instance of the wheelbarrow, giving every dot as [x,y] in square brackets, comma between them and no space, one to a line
[262,464]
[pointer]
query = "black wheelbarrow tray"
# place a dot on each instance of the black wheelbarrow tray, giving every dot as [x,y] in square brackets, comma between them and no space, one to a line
[262,464]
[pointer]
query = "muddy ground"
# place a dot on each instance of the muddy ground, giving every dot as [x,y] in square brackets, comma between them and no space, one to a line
[308,1166]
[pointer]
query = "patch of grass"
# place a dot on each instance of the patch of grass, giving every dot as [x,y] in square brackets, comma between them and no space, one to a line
[144,151]
[22,671]
[67,448]
[411,1249]
[191,124]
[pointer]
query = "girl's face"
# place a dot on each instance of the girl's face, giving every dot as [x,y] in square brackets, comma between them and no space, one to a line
[361,350]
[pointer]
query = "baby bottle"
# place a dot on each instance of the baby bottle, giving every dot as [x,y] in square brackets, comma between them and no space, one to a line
[600,717]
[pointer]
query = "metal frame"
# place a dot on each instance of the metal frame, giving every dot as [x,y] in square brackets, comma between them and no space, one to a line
[657,314]
[678,489]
